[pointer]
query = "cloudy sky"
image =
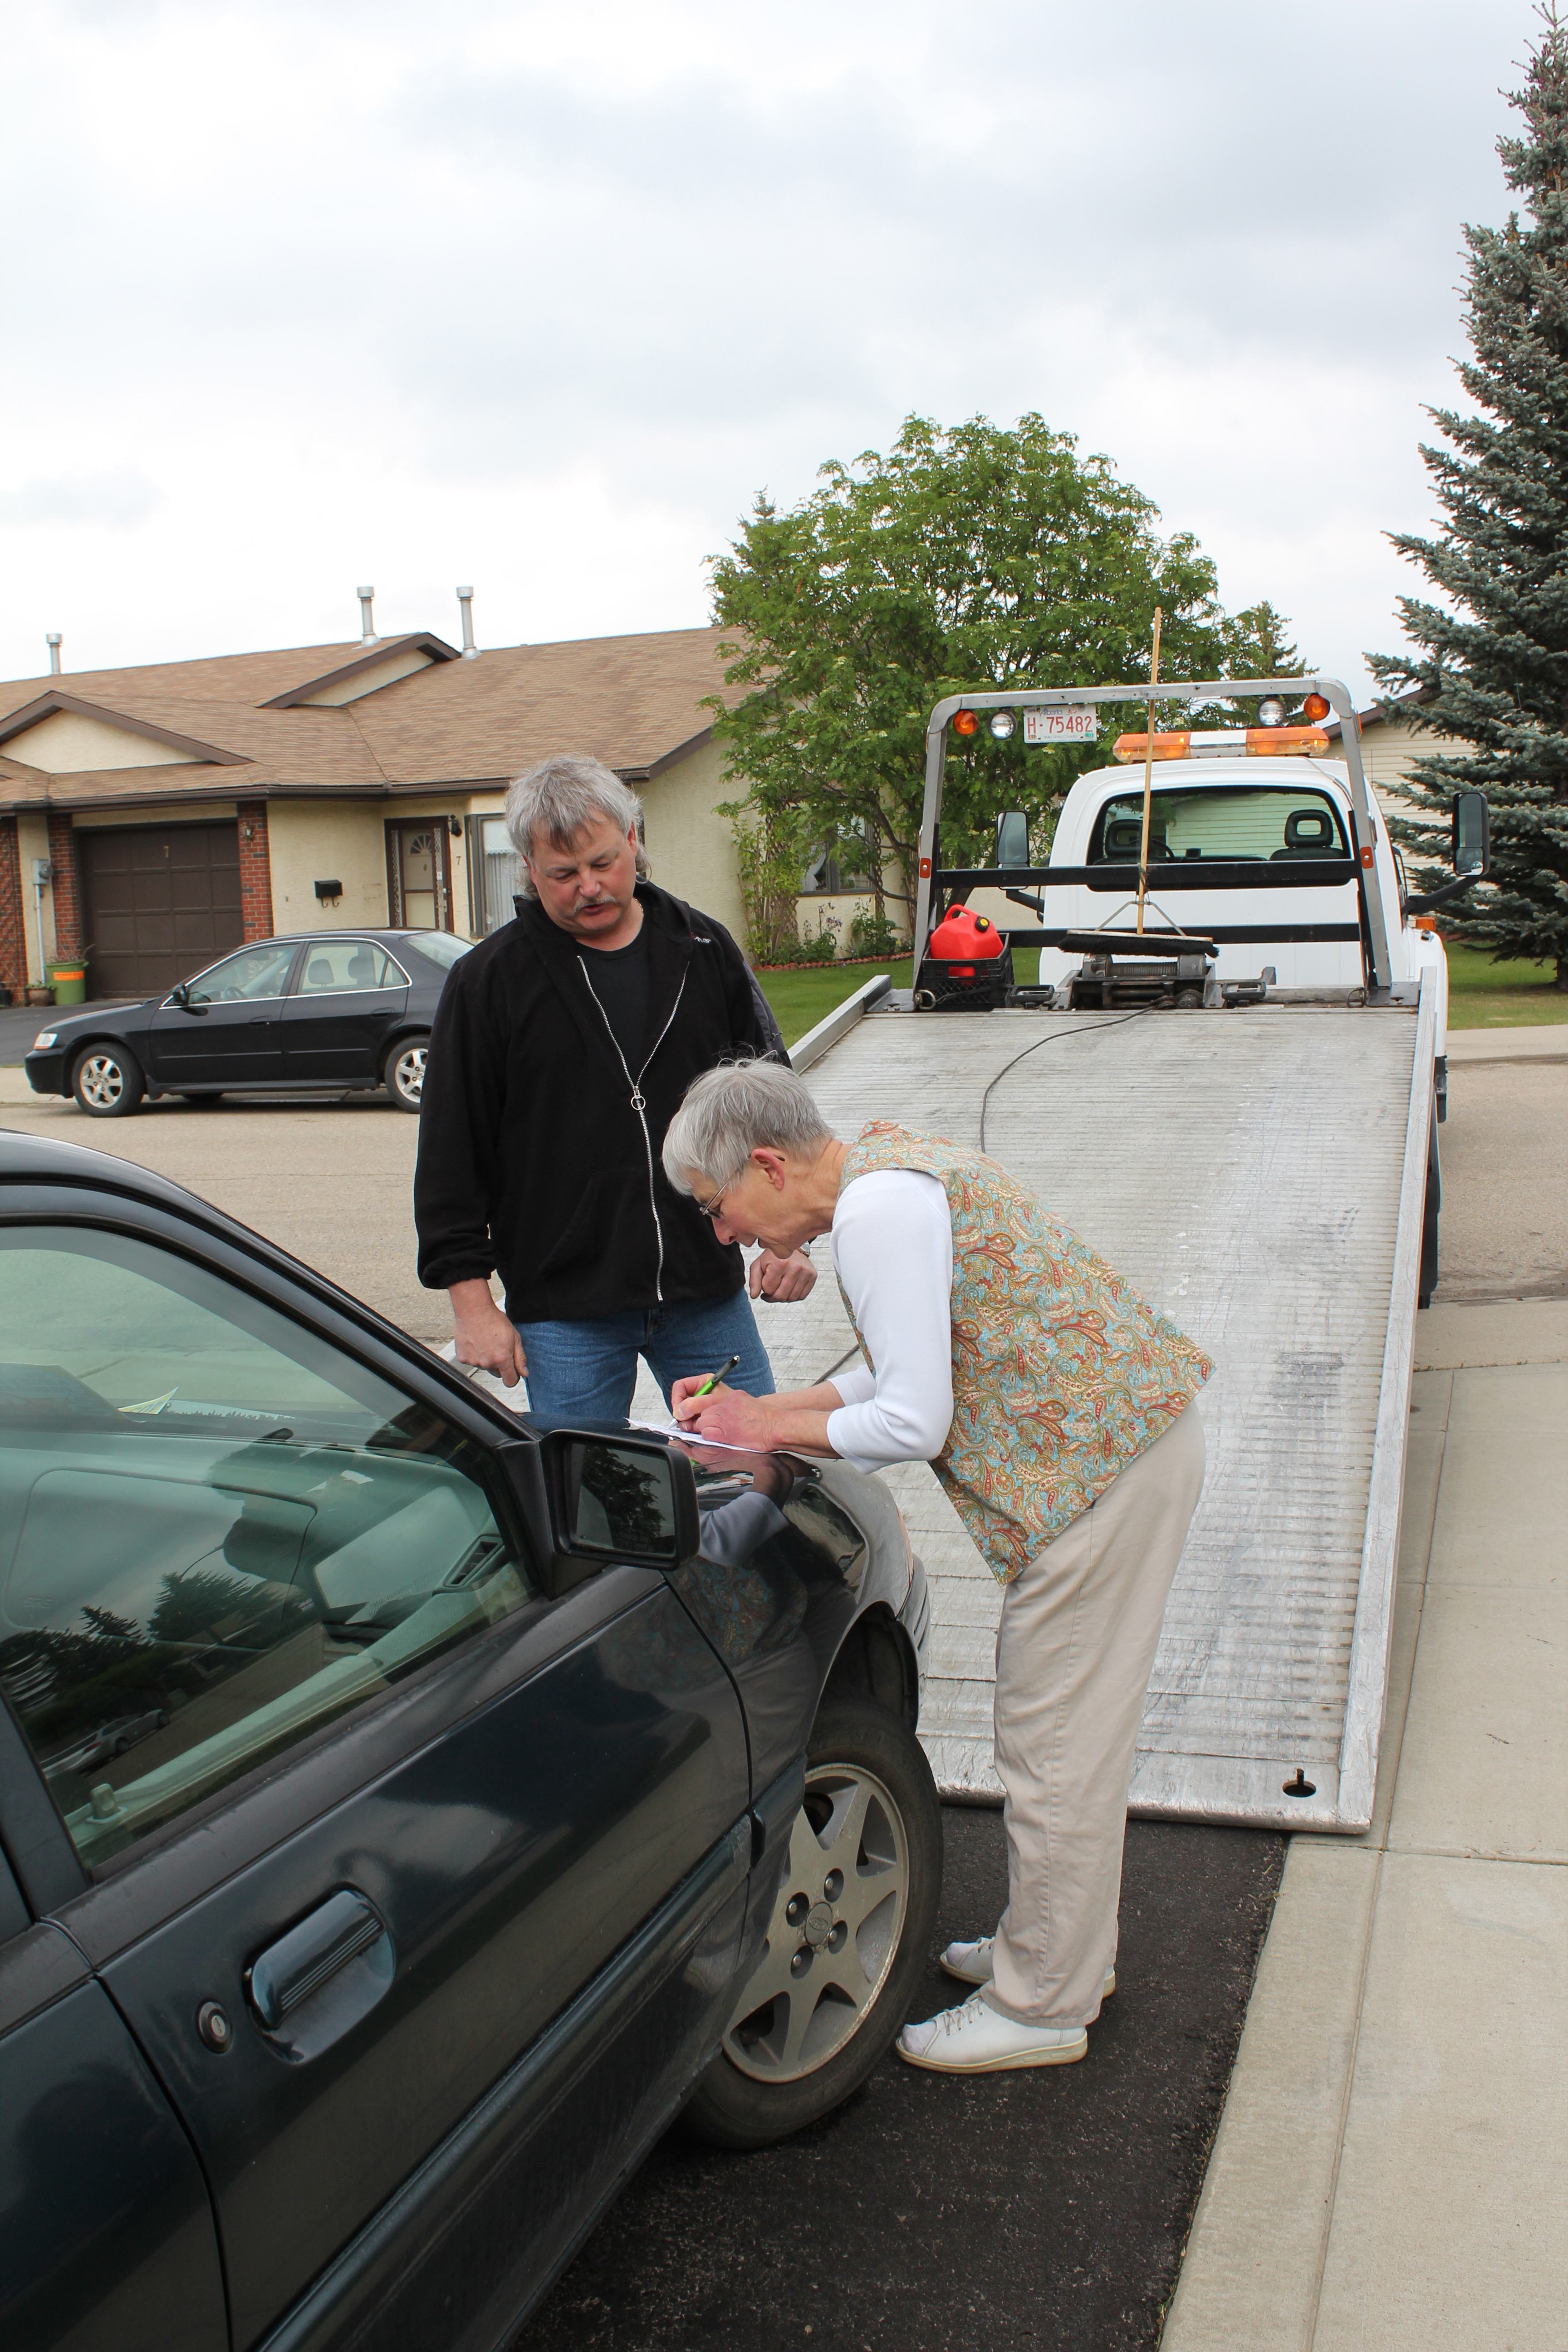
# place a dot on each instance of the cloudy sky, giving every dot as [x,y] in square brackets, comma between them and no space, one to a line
[539,297]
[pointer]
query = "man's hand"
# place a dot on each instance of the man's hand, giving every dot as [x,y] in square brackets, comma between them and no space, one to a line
[728,1416]
[482,1334]
[781,1278]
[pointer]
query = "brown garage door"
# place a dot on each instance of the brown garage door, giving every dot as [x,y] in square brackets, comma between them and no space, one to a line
[159,900]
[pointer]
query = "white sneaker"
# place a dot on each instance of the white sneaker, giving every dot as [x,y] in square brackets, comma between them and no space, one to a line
[971,1964]
[976,2039]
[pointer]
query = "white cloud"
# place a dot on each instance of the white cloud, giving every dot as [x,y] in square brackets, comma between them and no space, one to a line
[540,297]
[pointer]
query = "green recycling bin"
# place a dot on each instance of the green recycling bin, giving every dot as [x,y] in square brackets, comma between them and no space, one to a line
[67,977]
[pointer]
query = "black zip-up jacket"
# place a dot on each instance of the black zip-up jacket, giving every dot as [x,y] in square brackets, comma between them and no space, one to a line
[534,1158]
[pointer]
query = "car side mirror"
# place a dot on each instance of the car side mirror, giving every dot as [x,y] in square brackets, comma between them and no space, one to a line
[181,995]
[593,1502]
[1472,835]
[1012,838]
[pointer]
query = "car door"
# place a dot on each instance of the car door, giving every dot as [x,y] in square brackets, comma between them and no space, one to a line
[225,1028]
[346,996]
[416,1886]
[106,2229]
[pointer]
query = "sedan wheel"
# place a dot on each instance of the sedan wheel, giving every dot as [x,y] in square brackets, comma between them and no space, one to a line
[404,1074]
[107,1082]
[847,1939]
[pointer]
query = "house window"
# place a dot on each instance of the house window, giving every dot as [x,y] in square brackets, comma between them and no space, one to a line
[833,867]
[496,872]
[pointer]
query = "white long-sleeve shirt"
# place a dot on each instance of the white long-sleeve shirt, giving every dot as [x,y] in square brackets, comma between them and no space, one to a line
[892,1250]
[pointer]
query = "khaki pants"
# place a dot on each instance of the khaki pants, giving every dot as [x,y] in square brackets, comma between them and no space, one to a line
[1074,1653]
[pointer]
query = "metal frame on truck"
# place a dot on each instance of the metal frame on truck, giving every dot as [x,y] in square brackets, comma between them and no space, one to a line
[935,879]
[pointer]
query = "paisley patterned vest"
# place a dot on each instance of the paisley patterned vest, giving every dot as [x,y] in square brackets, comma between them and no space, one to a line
[1061,1375]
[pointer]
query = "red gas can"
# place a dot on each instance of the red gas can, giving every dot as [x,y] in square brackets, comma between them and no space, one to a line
[964,937]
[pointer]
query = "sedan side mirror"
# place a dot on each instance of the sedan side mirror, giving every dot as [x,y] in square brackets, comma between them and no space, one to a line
[181,995]
[1472,835]
[605,1500]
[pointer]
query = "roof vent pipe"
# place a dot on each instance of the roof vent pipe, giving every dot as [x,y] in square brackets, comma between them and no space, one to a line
[52,639]
[466,607]
[366,620]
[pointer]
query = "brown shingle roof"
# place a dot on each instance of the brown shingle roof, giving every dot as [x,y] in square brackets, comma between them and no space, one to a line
[633,701]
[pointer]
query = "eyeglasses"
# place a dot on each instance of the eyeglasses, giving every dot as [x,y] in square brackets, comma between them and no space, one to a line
[715,1207]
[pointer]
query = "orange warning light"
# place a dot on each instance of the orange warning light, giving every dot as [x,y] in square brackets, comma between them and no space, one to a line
[966,722]
[1315,707]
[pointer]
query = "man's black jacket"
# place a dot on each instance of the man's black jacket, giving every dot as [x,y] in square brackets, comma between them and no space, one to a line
[534,1158]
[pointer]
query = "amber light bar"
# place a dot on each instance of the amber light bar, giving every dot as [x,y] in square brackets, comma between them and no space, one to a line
[1257,742]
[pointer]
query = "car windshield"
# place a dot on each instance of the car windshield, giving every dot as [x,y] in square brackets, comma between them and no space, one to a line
[1264,821]
[440,947]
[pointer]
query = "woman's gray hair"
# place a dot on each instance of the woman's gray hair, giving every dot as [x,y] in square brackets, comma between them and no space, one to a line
[558,796]
[729,1111]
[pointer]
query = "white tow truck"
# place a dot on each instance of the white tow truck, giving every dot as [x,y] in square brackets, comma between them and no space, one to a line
[1238,1108]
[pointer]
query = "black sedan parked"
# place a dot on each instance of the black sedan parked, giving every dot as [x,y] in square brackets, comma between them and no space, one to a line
[330,1010]
[404,1810]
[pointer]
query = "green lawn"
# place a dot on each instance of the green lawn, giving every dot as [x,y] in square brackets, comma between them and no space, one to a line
[1481,994]
[1486,995]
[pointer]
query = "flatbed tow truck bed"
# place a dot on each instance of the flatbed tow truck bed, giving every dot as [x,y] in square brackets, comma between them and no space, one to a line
[1259,1175]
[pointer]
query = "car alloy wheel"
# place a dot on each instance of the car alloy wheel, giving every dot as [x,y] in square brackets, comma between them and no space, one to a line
[835,1927]
[107,1082]
[848,1933]
[405,1073]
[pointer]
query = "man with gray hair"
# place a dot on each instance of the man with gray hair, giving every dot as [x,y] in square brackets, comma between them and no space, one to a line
[560,1051]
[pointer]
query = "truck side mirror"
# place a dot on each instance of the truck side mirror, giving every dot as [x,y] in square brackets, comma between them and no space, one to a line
[1012,838]
[1472,835]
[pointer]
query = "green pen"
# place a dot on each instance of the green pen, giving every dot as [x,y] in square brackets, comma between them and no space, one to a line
[712,1382]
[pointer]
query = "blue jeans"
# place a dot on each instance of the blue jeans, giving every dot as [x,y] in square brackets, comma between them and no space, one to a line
[586,1370]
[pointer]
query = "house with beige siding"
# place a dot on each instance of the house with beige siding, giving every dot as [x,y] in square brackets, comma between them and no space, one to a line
[154,817]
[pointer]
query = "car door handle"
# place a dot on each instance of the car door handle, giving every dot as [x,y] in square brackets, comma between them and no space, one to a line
[320,1978]
[261,1020]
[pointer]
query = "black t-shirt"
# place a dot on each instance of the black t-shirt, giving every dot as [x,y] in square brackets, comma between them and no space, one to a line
[619,978]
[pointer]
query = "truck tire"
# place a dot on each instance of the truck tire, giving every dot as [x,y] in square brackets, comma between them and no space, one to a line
[847,1941]
[1428,1282]
[106,1081]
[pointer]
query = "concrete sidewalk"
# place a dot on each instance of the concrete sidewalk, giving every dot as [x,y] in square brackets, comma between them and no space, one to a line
[1391,2171]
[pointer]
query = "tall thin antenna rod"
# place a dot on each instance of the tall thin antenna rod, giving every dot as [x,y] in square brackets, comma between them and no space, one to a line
[1148,768]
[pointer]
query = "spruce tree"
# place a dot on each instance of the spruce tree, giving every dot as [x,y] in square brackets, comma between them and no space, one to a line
[1490,663]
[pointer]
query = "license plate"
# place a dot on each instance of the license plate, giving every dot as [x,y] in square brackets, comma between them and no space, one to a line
[1073,725]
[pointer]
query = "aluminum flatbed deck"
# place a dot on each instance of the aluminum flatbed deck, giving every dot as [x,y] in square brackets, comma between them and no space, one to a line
[1259,1175]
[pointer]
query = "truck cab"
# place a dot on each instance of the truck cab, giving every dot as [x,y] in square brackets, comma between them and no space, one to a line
[1277,812]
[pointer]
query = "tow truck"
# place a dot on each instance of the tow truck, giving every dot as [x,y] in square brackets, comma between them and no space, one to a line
[1230,1084]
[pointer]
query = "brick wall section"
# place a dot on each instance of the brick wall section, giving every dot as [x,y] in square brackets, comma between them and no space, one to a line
[64,886]
[255,871]
[12,939]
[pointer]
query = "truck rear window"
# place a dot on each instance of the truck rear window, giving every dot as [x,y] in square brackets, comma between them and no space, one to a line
[1260,821]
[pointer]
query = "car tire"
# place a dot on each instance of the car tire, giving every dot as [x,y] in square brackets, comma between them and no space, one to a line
[403,1075]
[821,2023]
[106,1081]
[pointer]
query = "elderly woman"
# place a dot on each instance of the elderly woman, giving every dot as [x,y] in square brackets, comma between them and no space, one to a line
[1056,1409]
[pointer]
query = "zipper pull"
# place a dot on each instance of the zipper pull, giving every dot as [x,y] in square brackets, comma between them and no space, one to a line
[637,1102]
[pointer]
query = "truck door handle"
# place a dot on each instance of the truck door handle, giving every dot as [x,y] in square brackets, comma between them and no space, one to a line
[313,1983]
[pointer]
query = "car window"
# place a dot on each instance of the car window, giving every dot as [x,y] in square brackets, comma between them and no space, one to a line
[332,966]
[217,1532]
[441,947]
[255,972]
[1277,821]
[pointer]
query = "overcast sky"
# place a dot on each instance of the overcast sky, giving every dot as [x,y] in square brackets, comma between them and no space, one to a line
[539,297]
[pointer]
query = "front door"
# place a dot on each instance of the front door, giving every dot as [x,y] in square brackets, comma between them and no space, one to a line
[419,875]
[338,1769]
[346,996]
[227,1030]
